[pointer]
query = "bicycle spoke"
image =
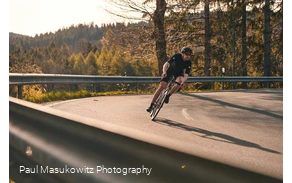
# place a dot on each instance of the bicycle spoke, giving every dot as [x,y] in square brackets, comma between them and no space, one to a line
[160,100]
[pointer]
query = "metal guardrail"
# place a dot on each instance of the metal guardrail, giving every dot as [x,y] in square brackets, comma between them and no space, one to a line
[28,79]
[23,79]
[44,140]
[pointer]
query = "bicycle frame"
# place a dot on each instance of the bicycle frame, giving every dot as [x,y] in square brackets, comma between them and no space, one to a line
[160,100]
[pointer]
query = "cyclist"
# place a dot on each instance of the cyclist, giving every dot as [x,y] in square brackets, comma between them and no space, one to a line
[178,65]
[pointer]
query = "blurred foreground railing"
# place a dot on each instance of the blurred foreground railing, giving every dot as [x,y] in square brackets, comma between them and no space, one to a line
[48,145]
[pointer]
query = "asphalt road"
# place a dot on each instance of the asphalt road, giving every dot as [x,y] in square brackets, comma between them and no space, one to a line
[242,128]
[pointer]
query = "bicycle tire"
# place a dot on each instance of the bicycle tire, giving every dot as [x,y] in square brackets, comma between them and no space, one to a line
[154,109]
[158,106]
[160,100]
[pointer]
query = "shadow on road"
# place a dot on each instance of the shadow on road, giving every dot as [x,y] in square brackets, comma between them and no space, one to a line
[212,135]
[234,105]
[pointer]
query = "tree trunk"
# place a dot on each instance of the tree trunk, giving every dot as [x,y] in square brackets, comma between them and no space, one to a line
[267,39]
[207,40]
[159,33]
[244,48]
[233,40]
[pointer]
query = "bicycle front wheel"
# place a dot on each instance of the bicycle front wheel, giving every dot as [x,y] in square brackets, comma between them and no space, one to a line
[158,105]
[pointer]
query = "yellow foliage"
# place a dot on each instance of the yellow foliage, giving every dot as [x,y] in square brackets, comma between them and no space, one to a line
[11,181]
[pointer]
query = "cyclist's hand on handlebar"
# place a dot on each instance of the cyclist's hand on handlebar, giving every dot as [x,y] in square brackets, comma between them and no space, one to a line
[163,75]
[182,85]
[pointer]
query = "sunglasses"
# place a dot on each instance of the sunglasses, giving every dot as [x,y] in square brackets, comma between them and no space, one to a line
[187,54]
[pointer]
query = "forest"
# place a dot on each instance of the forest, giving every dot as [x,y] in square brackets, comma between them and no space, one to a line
[245,37]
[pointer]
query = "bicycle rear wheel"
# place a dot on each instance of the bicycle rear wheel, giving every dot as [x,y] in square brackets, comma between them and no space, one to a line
[158,105]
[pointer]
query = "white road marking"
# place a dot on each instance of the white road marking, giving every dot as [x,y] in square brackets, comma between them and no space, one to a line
[247,96]
[244,97]
[186,115]
[59,102]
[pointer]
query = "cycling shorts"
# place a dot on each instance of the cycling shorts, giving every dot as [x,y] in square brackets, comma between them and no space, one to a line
[166,79]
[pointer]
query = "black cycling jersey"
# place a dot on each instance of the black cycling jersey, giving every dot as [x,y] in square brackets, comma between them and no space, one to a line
[178,66]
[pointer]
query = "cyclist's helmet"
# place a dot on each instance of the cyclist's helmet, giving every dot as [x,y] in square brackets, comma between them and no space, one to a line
[186,49]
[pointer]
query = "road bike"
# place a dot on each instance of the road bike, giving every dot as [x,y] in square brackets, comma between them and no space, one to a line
[160,100]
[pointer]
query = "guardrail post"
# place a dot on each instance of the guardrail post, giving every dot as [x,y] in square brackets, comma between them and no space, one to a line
[223,73]
[19,91]
[222,85]
[94,87]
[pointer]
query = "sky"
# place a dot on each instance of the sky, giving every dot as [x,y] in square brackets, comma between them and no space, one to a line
[31,17]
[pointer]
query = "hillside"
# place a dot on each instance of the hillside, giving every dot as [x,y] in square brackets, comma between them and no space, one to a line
[15,35]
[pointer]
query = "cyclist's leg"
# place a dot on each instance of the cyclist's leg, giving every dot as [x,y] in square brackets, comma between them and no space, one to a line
[174,89]
[162,85]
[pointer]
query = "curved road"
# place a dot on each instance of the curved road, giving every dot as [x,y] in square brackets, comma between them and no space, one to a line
[242,128]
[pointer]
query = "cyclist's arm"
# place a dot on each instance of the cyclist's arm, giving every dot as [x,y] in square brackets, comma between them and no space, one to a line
[186,74]
[184,80]
[164,69]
